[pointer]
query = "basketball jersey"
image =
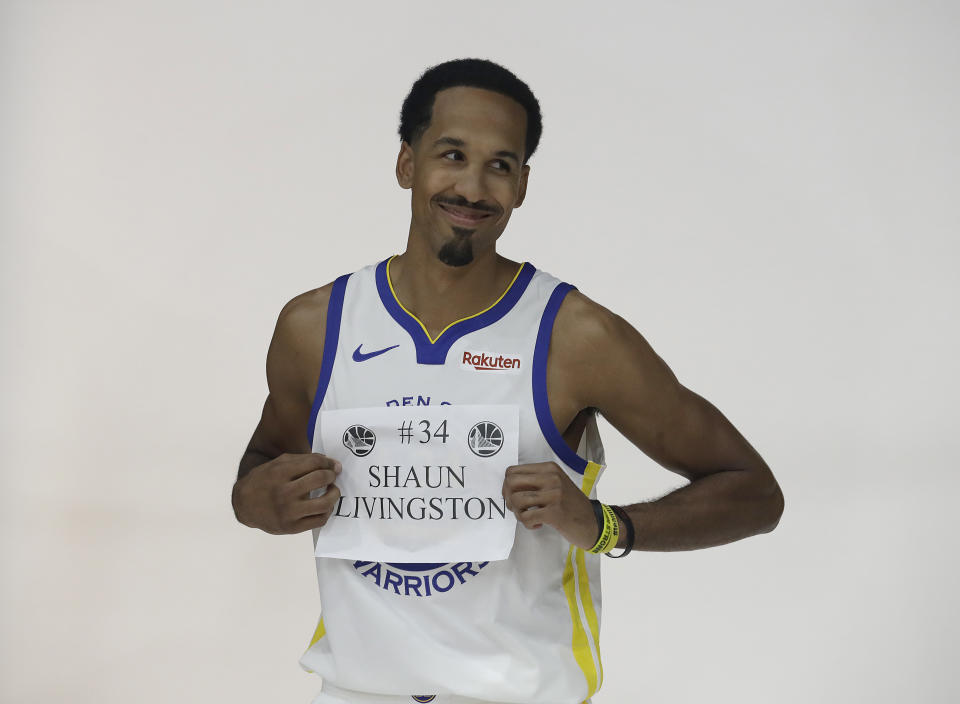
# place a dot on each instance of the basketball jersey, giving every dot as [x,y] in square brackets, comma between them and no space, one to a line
[524,629]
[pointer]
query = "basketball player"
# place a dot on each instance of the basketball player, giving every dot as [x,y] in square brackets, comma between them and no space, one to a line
[413,329]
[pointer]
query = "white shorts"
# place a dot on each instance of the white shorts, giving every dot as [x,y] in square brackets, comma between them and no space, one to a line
[330,694]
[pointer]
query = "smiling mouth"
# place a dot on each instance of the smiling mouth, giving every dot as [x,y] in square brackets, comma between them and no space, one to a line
[464,216]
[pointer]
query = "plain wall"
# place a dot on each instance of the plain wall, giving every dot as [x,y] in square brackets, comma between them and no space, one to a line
[767,191]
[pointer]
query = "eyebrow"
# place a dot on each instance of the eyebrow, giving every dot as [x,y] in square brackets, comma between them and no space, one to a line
[455,142]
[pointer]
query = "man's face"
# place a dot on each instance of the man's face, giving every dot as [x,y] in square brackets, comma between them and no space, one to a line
[466,172]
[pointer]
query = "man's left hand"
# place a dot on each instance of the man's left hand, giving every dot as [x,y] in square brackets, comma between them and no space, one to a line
[541,493]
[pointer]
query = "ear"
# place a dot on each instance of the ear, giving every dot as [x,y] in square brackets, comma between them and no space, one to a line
[522,191]
[405,166]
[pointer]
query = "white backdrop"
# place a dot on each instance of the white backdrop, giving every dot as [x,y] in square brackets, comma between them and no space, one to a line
[768,191]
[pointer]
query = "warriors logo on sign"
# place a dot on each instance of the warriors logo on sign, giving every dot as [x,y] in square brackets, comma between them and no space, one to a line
[485,439]
[359,440]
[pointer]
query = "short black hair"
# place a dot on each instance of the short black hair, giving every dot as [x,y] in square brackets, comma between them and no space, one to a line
[417,110]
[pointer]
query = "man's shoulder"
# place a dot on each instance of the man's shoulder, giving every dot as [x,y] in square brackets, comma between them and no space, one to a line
[302,320]
[591,343]
[582,323]
[308,304]
[308,311]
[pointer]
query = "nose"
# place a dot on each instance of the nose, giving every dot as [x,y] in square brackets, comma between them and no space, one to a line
[469,184]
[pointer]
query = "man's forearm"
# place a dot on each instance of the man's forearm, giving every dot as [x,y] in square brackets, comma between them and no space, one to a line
[251,458]
[714,510]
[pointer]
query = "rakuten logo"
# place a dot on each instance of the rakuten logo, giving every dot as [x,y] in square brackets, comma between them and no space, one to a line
[490,362]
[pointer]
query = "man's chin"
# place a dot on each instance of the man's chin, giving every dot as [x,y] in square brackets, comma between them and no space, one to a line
[456,253]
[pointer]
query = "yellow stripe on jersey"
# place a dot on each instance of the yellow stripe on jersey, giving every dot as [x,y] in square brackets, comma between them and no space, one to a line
[434,339]
[581,647]
[318,634]
[590,476]
[590,612]
[576,586]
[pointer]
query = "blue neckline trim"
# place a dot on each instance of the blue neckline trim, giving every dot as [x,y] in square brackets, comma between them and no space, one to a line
[541,403]
[436,352]
[330,341]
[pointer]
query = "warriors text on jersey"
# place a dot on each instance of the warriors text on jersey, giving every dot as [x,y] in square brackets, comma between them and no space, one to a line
[524,629]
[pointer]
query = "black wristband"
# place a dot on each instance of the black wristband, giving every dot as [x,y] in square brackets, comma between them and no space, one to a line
[622,514]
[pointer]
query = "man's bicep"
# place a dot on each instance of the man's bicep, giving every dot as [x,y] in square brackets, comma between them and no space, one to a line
[293,362]
[643,399]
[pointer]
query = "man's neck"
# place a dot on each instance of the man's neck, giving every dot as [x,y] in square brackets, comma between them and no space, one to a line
[438,294]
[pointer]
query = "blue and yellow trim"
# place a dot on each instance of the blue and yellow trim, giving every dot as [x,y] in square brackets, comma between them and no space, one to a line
[433,340]
[432,350]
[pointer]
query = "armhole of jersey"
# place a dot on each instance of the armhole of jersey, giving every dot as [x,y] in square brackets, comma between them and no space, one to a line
[330,341]
[541,403]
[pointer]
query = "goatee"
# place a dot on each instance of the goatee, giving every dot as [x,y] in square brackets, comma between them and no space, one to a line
[459,250]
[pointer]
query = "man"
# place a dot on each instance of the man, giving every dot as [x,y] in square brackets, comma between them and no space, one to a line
[425,327]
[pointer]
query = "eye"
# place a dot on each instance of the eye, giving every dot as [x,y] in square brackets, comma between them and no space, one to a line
[501,165]
[455,154]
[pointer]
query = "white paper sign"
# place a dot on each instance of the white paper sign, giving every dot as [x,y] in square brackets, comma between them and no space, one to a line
[420,483]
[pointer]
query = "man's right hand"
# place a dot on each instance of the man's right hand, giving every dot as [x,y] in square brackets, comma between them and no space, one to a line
[275,496]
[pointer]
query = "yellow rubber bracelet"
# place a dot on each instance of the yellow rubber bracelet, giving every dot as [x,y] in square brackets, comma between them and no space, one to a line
[611,515]
[610,534]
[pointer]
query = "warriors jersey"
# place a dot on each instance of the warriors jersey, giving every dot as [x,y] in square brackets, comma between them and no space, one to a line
[524,629]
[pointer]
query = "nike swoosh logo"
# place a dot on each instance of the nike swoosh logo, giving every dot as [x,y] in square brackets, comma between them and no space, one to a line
[359,356]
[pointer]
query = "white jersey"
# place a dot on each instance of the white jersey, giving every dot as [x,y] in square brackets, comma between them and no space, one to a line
[524,629]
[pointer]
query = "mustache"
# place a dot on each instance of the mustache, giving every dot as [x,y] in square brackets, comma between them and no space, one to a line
[464,203]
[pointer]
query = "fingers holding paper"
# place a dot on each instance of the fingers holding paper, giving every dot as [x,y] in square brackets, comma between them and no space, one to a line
[541,493]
